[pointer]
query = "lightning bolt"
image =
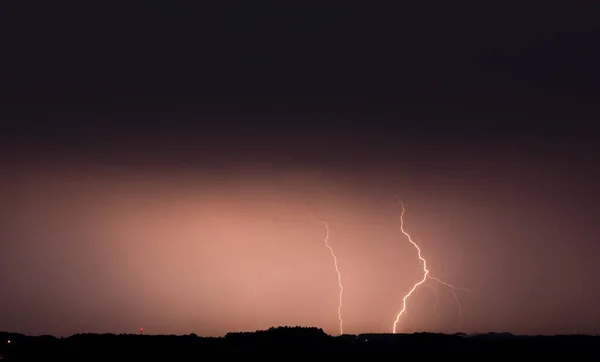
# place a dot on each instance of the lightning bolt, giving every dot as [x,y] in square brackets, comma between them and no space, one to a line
[337,269]
[426,275]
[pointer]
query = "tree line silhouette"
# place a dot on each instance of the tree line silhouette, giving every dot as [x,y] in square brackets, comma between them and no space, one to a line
[291,343]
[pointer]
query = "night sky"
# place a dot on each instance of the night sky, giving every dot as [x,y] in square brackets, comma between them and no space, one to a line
[160,160]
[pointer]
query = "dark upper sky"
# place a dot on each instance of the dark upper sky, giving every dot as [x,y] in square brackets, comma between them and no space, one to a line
[426,65]
[125,123]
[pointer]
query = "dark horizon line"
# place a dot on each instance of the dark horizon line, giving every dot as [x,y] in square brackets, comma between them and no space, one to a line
[276,328]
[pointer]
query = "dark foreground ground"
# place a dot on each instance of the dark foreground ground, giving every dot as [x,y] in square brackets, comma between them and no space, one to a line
[291,343]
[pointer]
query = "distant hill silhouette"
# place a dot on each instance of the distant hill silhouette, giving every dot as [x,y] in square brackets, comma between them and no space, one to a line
[290,343]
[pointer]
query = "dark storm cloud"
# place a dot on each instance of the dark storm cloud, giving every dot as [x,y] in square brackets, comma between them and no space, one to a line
[185,53]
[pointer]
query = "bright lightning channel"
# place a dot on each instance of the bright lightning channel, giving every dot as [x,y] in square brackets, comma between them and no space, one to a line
[337,269]
[426,275]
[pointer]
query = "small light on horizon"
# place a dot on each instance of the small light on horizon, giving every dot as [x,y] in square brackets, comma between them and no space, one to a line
[9,342]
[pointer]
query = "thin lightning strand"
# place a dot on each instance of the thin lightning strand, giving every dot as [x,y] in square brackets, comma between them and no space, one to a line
[452,289]
[426,275]
[435,296]
[337,269]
